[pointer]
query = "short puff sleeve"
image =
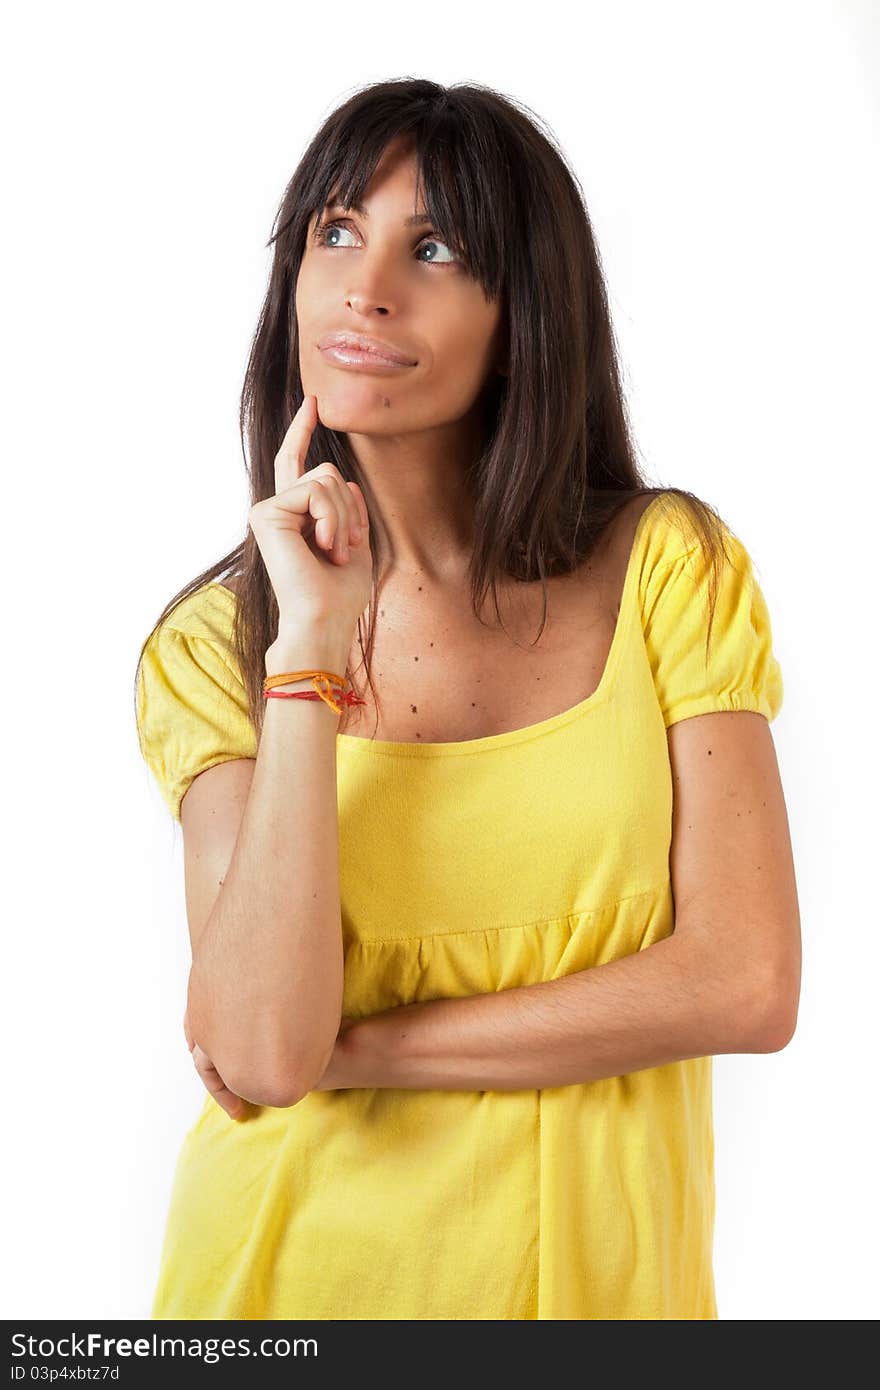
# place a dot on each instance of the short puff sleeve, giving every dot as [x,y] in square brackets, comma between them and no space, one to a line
[740,670]
[191,709]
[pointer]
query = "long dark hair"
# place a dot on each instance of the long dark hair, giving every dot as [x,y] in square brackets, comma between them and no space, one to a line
[557,460]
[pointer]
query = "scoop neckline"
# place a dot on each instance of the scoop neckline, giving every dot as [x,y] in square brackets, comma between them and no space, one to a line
[489,742]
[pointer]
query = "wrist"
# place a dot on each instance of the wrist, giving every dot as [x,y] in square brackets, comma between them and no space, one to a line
[306,651]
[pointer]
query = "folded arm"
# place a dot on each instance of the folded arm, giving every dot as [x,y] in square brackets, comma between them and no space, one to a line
[726,980]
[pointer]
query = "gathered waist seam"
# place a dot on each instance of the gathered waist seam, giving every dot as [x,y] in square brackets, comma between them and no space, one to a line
[512,926]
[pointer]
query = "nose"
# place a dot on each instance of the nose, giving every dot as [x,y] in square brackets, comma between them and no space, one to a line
[364,304]
[374,288]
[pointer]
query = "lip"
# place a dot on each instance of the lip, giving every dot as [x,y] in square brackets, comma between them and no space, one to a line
[357,349]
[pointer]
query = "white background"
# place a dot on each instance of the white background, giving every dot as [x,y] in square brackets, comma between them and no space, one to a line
[728,154]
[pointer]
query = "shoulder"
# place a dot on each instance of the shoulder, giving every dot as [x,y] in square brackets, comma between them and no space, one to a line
[680,531]
[190,654]
[626,525]
[705,620]
[208,614]
[666,513]
[192,707]
[644,533]
[674,545]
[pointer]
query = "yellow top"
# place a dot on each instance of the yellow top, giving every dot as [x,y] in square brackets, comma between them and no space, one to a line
[467,867]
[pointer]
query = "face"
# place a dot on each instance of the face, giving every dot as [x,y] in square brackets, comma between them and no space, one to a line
[380,274]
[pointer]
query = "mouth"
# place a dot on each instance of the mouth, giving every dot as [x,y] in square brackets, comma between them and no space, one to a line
[358,350]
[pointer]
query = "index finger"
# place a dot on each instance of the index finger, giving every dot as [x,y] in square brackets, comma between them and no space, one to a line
[290,461]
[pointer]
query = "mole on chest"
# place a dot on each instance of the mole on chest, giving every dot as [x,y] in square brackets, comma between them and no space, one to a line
[440,683]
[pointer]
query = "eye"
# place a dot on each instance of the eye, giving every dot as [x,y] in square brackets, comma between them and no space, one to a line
[339,225]
[433,260]
[323,227]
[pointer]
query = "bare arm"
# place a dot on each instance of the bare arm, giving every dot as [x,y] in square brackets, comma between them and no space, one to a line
[265,987]
[726,980]
[668,1002]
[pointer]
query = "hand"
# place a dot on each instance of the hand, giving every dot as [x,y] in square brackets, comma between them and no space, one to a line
[235,1106]
[311,512]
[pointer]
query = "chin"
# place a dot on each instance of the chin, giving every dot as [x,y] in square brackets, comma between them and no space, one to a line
[358,407]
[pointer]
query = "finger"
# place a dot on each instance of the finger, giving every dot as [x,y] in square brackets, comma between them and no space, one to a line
[233,1104]
[290,461]
[308,498]
[332,512]
[361,506]
[353,509]
[324,509]
[350,503]
[347,518]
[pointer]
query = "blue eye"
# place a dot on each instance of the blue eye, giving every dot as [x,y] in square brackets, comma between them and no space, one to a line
[339,225]
[326,227]
[430,242]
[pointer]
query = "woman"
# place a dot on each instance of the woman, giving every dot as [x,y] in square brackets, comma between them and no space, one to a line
[456,1040]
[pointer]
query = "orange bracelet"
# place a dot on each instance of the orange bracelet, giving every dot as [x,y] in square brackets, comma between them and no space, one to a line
[319,679]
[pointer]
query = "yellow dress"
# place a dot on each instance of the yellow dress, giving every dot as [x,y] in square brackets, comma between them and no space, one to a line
[467,867]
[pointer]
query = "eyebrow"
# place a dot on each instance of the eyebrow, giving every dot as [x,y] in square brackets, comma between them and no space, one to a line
[417,220]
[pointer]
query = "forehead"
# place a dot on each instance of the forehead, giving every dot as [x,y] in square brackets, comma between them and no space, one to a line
[393,178]
[414,219]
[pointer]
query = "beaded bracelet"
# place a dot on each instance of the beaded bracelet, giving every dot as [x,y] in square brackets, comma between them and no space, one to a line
[321,683]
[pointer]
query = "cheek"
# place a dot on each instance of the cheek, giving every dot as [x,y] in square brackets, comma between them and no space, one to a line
[459,365]
[465,337]
[308,292]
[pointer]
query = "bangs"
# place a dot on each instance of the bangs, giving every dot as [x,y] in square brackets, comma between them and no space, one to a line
[469,208]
